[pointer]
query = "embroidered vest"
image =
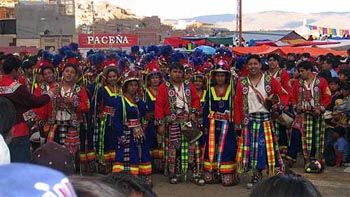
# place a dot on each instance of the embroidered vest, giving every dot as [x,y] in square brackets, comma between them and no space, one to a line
[76,102]
[316,91]
[172,98]
[245,91]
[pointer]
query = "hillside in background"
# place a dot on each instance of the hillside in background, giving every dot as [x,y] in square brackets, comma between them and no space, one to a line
[277,20]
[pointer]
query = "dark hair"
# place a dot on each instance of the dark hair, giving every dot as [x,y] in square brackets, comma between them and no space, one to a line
[110,69]
[129,183]
[326,74]
[93,186]
[306,55]
[74,66]
[227,78]
[288,185]
[46,67]
[275,56]
[253,56]
[176,65]
[7,116]
[334,80]
[305,65]
[27,63]
[344,86]
[332,61]
[339,130]
[344,72]
[11,63]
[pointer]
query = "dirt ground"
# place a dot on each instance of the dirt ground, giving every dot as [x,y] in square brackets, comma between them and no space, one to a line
[332,182]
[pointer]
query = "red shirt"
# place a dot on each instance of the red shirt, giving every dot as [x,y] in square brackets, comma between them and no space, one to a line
[22,100]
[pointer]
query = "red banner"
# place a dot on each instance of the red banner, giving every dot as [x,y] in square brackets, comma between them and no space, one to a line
[107,40]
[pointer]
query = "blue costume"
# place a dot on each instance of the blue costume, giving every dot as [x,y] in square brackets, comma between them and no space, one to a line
[107,138]
[154,144]
[221,144]
[132,153]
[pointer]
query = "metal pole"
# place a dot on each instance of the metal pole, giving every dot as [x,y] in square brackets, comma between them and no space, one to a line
[93,23]
[240,23]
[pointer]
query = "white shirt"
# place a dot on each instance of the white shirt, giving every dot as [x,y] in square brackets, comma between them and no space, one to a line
[181,101]
[310,88]
[64,115]
[4,152]
[253,101]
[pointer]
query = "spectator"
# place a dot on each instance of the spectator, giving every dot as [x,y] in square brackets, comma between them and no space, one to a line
[7,120]
[20,179]
[343,76]
[330,64]
[94,186]
[340,146]
[281,186]
[23,102]
[54,156]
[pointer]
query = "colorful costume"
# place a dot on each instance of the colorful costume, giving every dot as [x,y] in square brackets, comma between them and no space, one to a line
[66,119]
[308,130]
[221,145]
[171,110]
[132,153]
[153,140]
[107,143]
[283,78]
[258,146]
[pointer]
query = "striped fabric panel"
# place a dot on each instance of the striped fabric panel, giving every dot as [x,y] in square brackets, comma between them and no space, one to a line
[51,135]
[82,157]
[117,167]
[227,167]
[255,144]
[222,139]
[211,145]
[184,154]
[269,148]
[246,147]
[308,131]
[210,166]
[322,136]
[145,168]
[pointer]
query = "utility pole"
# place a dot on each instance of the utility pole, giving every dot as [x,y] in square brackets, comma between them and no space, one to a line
[93,23]
[239,22]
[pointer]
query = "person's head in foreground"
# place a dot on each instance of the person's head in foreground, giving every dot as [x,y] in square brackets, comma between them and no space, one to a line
[285,186]
[19,179]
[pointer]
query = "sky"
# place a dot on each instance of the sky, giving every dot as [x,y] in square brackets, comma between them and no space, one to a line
[175,9]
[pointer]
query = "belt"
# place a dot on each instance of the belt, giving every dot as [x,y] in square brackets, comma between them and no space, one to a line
[219,116]
[174,118]
[108,110]
[134,123]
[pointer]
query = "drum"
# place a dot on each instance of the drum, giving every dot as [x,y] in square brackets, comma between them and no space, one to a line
[191,131]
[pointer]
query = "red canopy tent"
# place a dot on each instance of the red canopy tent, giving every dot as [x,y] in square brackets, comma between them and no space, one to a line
[183,41]
[265,49]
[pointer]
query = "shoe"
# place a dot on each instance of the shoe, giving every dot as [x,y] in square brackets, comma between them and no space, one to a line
[210,177]
[229,179]
[173,180]
[257,177]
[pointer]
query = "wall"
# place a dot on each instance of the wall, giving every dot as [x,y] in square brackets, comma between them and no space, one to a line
[34,19]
